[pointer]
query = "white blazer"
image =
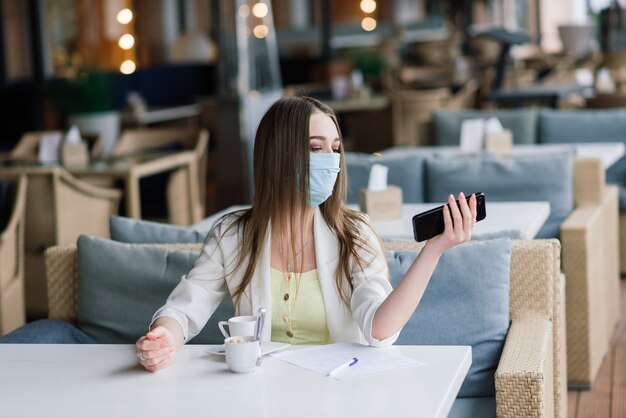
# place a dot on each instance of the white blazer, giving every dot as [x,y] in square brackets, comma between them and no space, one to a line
[200,292]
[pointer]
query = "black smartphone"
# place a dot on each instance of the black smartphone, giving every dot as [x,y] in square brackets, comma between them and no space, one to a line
[430,223]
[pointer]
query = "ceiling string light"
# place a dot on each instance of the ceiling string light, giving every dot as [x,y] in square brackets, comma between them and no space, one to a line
[368,23]
[127,42]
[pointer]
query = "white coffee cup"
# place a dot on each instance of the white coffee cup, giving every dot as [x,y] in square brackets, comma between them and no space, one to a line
[242,353]
[238,325]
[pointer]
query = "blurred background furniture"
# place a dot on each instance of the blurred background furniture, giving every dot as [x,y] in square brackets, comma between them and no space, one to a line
[606,101]
[544,94]
[59,207]
[137,141]
[412,110]
[28,146]
[12,210]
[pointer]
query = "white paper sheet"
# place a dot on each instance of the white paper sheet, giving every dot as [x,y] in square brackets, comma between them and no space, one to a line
[324,358]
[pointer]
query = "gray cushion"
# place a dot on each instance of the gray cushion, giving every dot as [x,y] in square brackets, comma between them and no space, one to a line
[537,177]
[465,303]
[122,285]
[405,171]
[508,233]
[605,125]
[559,126]
[447,124]
[473,407]
[137,231]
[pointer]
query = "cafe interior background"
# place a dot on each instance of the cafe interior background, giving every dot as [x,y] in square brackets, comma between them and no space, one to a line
[107,66]
[66,57]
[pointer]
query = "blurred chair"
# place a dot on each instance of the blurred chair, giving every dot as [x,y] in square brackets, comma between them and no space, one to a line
[412,111]
[59,208]
[134,142]
[12,206]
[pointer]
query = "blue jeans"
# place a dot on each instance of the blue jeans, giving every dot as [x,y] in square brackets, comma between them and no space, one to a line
[47,331]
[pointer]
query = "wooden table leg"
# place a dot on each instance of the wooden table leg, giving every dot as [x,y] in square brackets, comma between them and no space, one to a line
[133,201]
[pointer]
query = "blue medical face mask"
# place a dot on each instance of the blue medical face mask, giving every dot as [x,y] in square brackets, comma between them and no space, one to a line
[323,171]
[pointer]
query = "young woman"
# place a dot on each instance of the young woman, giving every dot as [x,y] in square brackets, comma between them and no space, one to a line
[315,265]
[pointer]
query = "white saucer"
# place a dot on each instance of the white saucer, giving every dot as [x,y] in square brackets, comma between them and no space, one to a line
[267,347]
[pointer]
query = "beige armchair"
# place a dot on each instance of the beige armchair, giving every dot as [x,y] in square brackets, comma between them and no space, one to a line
[531,376]
[530,379]
[590,241]
[12,310]
[59,208]
[136,141]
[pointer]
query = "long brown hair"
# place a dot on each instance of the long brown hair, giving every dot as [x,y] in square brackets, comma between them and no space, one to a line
[281,186]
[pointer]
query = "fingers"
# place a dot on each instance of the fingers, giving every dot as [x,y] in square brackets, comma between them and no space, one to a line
[466,213]
[156,333]
[458,222]
[154,339]
[473,208]
[461,216]
[153,350]
[457,218]
[146,344]
[447,219]
[158,361]
[160,365]
[152,358]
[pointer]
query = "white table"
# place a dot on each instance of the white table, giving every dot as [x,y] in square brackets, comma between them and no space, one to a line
[39,380]
[525,217]
[608,152]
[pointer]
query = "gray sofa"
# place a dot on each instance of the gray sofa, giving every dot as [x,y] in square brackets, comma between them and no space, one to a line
[531,126]
[429,177]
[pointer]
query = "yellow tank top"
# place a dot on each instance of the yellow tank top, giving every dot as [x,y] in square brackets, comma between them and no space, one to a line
[298,313]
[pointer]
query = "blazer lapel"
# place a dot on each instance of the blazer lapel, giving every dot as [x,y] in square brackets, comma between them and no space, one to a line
[327,257]
[261,296]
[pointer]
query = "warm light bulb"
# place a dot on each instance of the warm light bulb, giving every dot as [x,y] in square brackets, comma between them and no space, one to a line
[124,16]
[127,41]
[368,6]
[260,31]
[368,24]
[244,10]
[260,10]
[128,67]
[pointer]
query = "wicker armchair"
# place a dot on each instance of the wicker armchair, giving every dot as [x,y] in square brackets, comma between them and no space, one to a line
[59,208]
[531,376]
[590,240]
[530,380]
[137,141]
[412,110]
[12,310]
